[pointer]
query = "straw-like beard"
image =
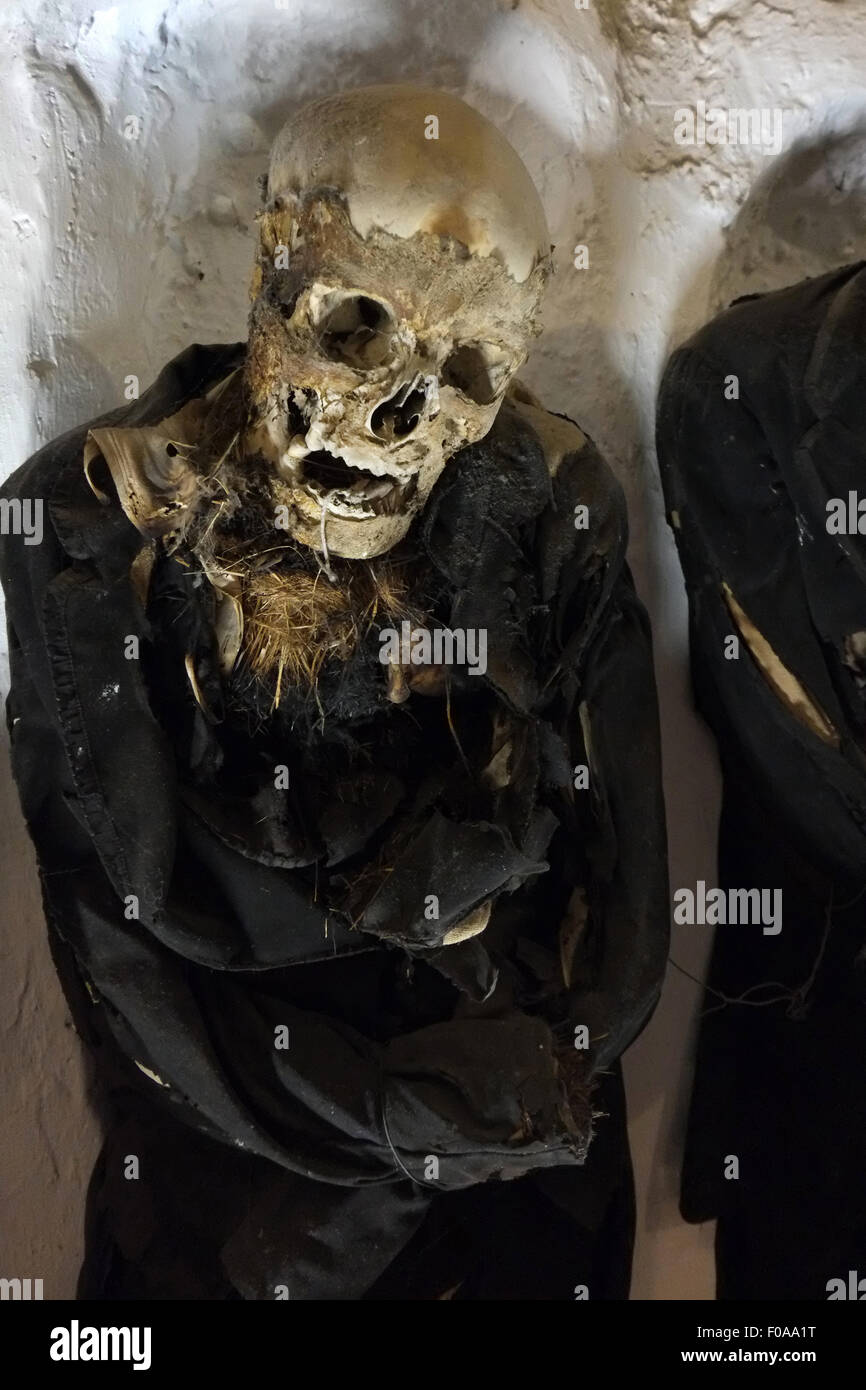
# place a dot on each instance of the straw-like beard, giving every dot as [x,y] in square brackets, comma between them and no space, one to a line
[299,610]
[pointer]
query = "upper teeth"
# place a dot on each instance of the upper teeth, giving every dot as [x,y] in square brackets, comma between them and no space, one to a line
[377,488]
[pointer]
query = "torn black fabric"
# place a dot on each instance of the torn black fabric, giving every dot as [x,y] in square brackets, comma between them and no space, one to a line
[197,915]
[761,424]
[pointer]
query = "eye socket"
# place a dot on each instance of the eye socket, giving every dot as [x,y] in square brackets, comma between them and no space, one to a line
[356,330]
[477,371]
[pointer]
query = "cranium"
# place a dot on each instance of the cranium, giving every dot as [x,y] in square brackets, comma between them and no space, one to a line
[399,276]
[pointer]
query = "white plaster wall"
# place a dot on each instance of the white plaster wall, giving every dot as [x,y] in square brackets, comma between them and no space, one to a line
[117,252]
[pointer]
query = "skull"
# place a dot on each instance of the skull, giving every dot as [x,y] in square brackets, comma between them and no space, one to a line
[403,251]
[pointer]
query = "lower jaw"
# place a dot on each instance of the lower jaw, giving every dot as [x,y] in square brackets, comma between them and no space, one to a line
[347,537]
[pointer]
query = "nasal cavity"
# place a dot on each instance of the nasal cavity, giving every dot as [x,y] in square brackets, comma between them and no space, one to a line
[398,416]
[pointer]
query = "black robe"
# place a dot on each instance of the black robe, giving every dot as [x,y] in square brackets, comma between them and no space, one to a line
[412,1137]
[762,422]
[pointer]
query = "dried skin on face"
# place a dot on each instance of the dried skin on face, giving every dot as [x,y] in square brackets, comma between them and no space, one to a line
[396,291]
[402,257]
[370,364]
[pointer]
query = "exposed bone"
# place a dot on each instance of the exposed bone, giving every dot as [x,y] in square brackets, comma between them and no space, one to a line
[192,677]
[497,773]
[372,144]
[152,1074]
[781,680]
[471,925]
[395,679]
[854,656]
[140,571]
[228,629]
[399,287]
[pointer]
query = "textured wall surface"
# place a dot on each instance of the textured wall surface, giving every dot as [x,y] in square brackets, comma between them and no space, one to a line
[134,136]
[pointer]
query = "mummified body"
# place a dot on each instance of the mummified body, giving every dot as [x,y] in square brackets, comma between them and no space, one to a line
[390,918]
